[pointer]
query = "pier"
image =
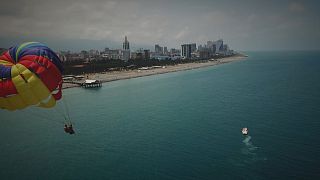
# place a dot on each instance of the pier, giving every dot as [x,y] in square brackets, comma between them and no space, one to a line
[91,84]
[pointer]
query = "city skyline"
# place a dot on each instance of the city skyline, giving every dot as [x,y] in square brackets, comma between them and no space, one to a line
[247,25]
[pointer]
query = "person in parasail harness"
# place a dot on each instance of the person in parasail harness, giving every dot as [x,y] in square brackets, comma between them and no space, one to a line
[68,129]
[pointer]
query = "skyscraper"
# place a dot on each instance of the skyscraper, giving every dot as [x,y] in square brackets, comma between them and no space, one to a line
[165,50]
[126,45]
[158,49]
[193,47]
[219,46]
[125,49]
[187,49]
[147,54]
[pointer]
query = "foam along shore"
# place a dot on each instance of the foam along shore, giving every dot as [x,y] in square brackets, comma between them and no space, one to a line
[119,75]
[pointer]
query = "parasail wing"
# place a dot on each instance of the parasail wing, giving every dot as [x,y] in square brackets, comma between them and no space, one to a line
[29,75]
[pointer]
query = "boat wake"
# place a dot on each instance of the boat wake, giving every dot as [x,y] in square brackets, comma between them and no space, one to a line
[250,154]
[250,148]
[251,151]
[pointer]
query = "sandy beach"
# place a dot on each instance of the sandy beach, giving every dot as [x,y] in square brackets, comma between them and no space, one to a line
[119,75]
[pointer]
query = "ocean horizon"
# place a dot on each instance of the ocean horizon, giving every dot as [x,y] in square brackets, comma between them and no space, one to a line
[180,125]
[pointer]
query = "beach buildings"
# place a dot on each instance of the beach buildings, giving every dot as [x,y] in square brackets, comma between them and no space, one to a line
[112,54]
[141,54]
[209,50]
[219,46]
[147,54]
[160,53]
[158,49]
[125,55]
[214,48]
[165,51]
[187,50]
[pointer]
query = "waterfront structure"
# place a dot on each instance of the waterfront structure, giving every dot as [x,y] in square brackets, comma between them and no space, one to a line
[91,83]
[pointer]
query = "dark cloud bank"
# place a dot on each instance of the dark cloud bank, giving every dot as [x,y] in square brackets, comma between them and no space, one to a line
[245,25]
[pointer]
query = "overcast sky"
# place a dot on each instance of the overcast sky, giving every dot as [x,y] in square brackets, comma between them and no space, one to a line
[243,24]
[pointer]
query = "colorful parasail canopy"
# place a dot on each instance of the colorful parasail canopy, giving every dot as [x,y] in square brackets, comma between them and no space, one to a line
[30,74]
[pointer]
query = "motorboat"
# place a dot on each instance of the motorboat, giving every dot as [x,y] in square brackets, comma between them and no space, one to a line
[244,131]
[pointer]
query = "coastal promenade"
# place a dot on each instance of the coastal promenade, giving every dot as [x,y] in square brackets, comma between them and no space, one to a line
[119,75]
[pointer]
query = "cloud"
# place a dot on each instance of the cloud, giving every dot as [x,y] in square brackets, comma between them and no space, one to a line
[296,7]
[149,22]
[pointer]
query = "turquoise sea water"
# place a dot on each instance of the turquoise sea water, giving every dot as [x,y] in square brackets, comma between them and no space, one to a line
[183,125]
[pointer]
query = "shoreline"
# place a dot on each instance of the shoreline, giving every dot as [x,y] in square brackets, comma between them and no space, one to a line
[121,75]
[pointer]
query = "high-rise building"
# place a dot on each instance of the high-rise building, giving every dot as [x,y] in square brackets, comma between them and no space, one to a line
[125,45]
[226,50]
[125,55]
[147,54]
[133,55]
[165,50]
[193,47]
[139,55]
[211,47]
[175,52]
[158,49]
[209,44]
[219,46]
[204,53]
[125,50]
[187,49]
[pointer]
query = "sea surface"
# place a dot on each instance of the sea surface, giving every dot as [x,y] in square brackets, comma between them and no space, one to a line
[182,125]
